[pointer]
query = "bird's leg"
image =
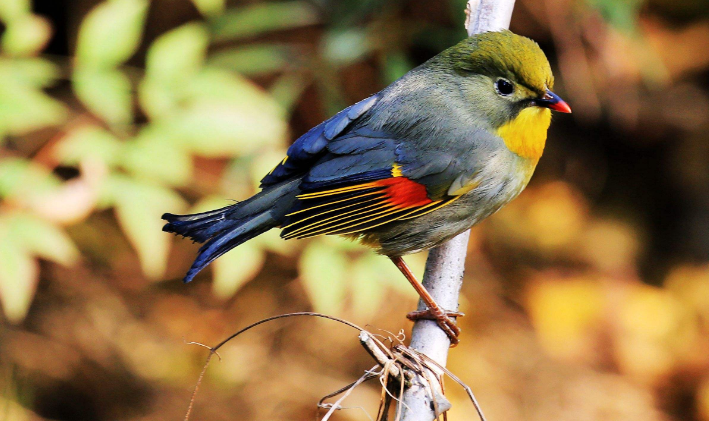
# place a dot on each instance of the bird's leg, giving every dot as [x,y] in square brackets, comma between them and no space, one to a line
[445,319]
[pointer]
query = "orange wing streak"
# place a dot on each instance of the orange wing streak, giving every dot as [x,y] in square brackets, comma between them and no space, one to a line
[403,193]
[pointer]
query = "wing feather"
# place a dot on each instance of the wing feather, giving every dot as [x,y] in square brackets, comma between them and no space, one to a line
[358,207]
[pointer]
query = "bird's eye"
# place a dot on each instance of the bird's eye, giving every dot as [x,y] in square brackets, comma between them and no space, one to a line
[504,87]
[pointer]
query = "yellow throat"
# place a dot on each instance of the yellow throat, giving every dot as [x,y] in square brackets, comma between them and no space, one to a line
[526,135]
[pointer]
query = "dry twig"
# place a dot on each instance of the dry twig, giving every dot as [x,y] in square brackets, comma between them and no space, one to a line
[397,367]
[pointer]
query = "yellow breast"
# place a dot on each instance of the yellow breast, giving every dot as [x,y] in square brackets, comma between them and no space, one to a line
[526,135]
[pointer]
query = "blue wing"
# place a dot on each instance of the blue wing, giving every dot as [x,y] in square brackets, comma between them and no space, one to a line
[312,145]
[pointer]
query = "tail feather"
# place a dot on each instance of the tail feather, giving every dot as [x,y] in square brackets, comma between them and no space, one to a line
[223,229]
[200,227]
[227,240]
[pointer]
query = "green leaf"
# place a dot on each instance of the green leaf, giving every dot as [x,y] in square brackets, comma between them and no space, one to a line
[172,61]
[43,239]
[111,32]
[18,276]
[228,115]
[156,99]
[139,206]
[24,109]
[287,89]
[235,268]
[20,177]
[26,36]
[178,54]
[324,272]
[372,276]
[217,129]
[367,288]
[272,241]
[106,93]
[259,18]
[622,14]
[390,276]
[343,47]
[254,59]
[259,165]
[89,142]
[12,410]
[395,66]
[14,9]
[221,85]
[210,7]
[30,71]
[154,155]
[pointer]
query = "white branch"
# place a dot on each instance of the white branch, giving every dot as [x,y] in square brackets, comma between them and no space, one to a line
[488,15]
[446,263]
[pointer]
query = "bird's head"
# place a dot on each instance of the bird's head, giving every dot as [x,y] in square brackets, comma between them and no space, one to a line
[508,80]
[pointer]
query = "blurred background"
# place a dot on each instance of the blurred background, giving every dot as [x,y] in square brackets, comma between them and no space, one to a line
[586,298]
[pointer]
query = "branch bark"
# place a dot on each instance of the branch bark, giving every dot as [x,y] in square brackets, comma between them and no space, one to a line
[445,265]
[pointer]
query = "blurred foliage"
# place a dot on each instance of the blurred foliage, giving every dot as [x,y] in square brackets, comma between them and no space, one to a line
[587,296]
[192,107]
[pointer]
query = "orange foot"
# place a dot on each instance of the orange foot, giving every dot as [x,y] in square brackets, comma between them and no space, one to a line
[445,320]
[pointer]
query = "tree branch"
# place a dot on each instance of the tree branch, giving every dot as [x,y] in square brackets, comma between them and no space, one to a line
[446,263]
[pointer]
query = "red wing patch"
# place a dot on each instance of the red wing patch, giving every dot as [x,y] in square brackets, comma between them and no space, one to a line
[356,208]
[404,193]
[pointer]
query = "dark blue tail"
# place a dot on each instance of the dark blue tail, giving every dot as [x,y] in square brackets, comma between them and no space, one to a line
[225,228]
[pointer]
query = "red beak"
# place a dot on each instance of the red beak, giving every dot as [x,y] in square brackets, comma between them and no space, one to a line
[553,102]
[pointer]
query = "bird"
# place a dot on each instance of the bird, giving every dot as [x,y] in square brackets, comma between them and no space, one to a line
[404,170]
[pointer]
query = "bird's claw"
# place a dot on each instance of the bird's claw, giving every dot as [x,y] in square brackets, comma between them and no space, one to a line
[444,319]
